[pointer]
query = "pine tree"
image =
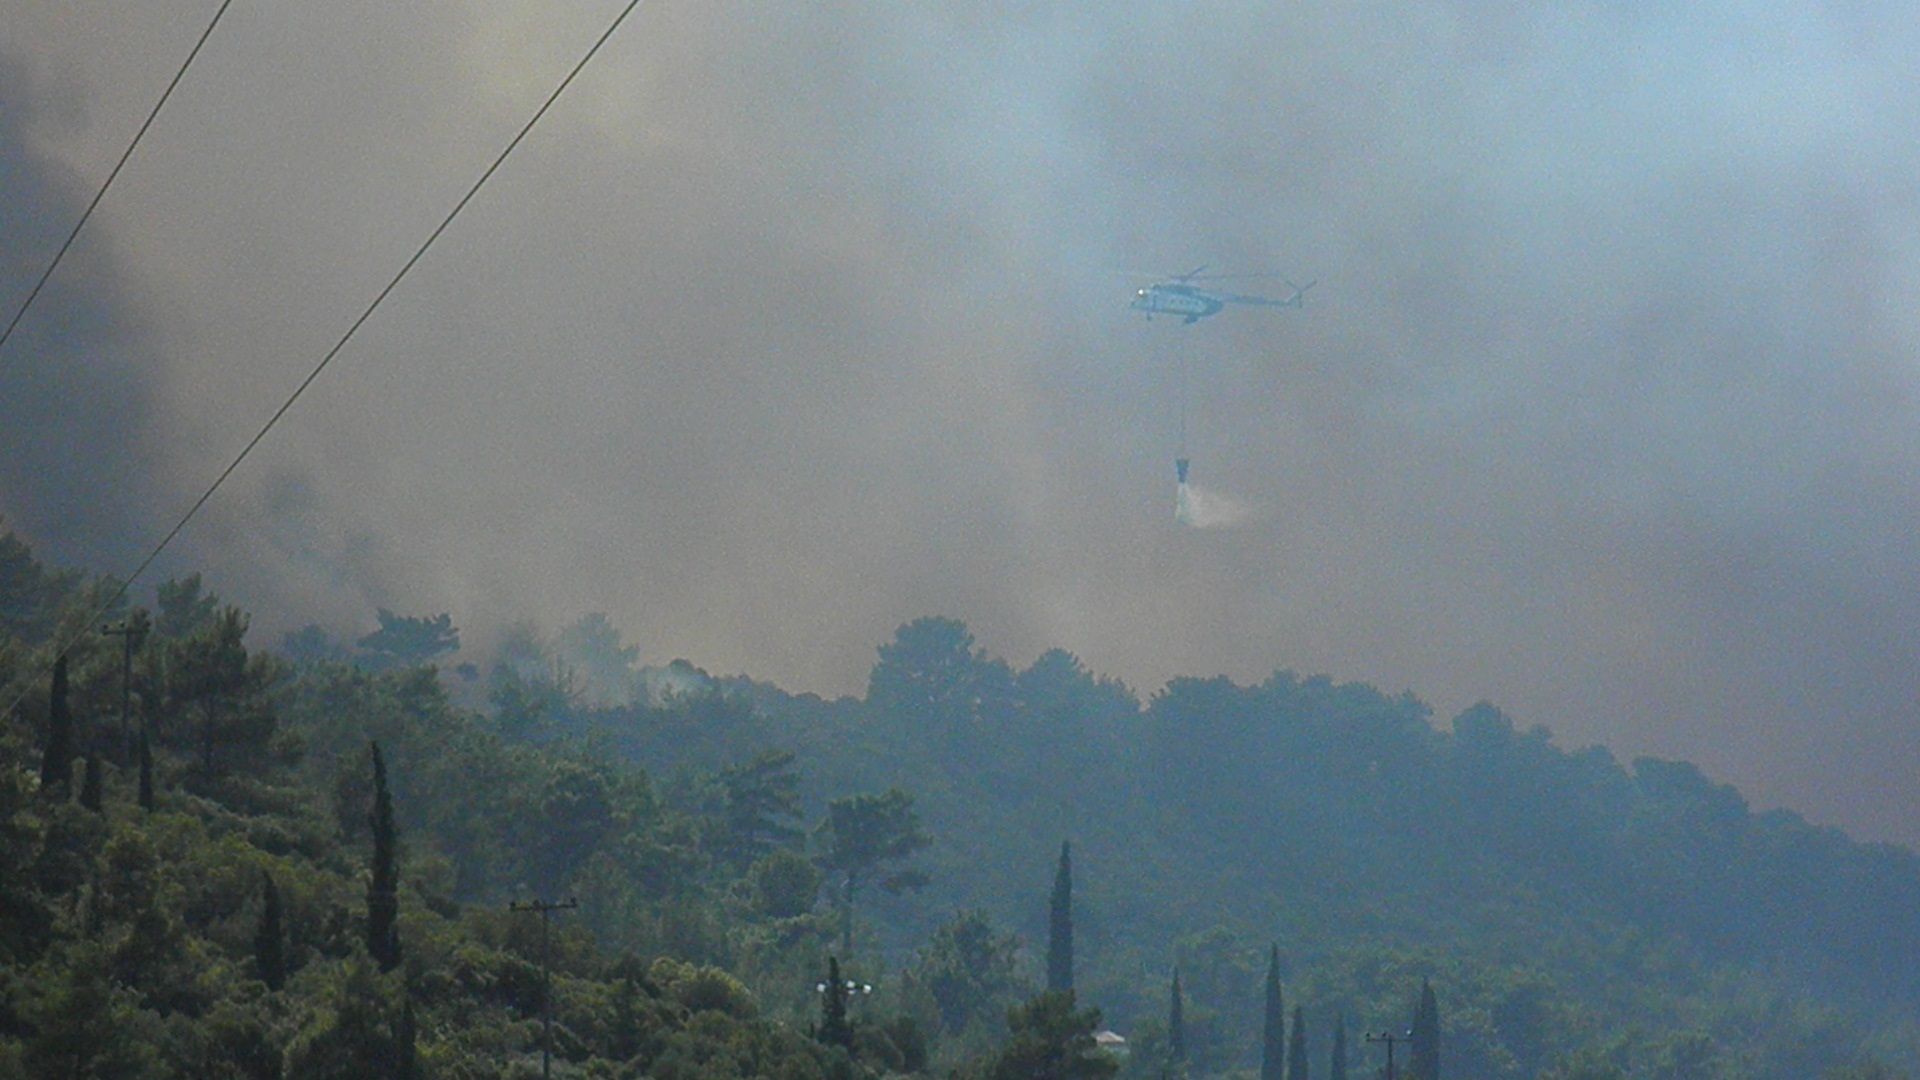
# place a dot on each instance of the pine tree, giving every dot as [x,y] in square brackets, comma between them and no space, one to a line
[1273,1030]
[834,1028]
[1176,1024]
[269,940]
[90,784]
[1426,1035]
[383,886]
[56,762]
[1060,926]
[863,833]
[1337,1068]
[146,770]
[1297,1046]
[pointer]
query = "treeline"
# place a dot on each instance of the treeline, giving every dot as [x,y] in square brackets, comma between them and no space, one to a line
[727,842]
[1578,909]
[216,862]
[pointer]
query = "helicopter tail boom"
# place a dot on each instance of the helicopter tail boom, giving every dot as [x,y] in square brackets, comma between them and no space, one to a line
[1297,300]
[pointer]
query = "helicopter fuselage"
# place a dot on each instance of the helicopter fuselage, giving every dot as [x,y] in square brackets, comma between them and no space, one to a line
[1189,302]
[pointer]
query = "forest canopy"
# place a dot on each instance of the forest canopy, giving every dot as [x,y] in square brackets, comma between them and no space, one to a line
[325,858]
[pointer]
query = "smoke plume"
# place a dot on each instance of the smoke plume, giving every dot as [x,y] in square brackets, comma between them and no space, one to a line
[792,323]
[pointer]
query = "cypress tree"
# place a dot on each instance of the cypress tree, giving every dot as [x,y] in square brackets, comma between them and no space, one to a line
[1337,1068]
[1176,1024]
[56,762]
[407,1040]
[1297,1047]
[146,770]
[90,783]
[383,885]
[1060,926]
[269,941]
[1426,1035]
[1273,1030]
[834,1028]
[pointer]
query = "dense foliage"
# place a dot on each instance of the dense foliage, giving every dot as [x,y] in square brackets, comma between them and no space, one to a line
[290,901]
[321,886]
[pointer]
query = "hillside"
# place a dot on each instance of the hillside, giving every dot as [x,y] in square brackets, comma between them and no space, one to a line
[1577,917]
[1563,900]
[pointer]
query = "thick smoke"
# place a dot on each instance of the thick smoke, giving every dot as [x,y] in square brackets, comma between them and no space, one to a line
[74,409]
[793,323]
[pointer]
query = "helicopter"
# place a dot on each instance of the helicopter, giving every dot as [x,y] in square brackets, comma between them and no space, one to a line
[1180,296]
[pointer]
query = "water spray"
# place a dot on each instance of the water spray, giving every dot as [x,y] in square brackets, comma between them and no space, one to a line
[1182,495]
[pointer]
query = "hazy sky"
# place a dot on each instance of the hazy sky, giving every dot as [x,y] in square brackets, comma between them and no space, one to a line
[793,322]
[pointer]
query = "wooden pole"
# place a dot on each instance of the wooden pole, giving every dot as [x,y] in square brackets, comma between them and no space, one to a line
[545,908]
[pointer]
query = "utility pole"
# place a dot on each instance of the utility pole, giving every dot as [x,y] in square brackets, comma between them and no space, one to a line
[129,632]
[545,908]
[1389,1038]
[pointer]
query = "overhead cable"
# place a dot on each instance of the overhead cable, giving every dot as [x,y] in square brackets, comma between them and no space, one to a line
[98,195]
[113,600]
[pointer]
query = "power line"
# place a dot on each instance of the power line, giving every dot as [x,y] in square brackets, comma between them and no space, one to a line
[111,601]
[98,195]
[1391,1039]
[545,909]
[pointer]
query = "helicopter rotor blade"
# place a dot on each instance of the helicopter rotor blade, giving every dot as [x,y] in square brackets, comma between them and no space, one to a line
[1198,273]
[1230,277]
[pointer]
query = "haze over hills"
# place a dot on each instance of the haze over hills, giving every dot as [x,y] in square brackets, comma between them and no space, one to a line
[1577,916]
[790,326]
[1333,818]
[784,329]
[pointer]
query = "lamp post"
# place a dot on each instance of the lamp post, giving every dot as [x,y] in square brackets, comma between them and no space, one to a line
[851,986]
[835,992]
